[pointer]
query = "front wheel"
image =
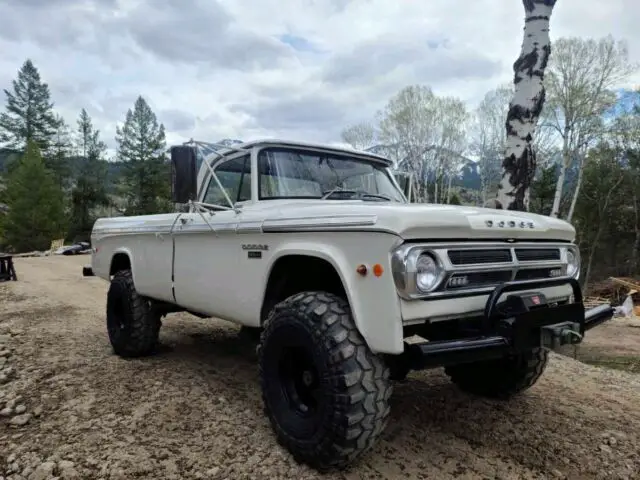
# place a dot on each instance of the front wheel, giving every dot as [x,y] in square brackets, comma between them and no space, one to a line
[325,393]
[501,378]
[132,324]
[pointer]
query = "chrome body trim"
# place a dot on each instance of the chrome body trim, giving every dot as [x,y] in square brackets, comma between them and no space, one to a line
[302,224]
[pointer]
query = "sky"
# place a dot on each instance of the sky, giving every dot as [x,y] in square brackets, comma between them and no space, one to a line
[294,69]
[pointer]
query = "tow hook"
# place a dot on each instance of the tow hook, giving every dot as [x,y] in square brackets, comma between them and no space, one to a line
[566,333]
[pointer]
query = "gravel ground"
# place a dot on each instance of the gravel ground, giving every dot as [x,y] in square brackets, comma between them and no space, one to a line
[69,408]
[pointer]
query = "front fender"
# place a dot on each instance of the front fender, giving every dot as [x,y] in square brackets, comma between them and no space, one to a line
[374,303]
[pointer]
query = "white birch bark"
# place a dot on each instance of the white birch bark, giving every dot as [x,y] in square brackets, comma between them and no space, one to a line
[519,163]
[576,191]
[557,197]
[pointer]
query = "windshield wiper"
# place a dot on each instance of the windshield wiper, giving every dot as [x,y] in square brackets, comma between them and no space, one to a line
[335,189]
[375,195]
[361,195]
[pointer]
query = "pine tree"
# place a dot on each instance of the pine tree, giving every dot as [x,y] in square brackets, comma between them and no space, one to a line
[90,188]
[141,148]
[29,113]
[36,213]
[61,149]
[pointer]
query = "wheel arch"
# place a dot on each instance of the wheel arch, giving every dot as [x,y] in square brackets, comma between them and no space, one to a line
[121,260]
[373,302]
[292,272]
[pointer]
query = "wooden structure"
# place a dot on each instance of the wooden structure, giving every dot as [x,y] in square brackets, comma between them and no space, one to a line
[7,270]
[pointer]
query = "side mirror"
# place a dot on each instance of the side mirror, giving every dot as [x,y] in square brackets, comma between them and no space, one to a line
[184,174]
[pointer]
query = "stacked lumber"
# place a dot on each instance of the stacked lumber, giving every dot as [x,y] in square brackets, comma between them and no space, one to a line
[590,302]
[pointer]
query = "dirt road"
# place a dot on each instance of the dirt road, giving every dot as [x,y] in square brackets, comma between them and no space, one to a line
[70,408]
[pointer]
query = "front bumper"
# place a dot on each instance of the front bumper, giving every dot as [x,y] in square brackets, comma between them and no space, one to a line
[519,323]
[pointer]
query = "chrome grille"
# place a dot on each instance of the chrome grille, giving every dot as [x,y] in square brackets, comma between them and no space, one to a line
[478,266]
[537,254]
[479,256]
[535,274]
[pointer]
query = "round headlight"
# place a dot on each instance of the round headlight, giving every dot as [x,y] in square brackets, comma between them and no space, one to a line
[427,272]
[573,263]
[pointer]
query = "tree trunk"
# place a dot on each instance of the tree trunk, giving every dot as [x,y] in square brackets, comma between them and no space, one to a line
[576,191]
[519,164]
[557,198]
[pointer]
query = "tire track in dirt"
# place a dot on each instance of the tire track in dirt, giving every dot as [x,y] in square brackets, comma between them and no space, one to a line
[194,410]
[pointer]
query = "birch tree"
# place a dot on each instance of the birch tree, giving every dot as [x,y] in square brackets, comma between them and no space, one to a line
[519,162]
[581,76]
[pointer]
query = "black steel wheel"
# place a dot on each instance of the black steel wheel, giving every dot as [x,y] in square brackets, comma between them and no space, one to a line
[132,324]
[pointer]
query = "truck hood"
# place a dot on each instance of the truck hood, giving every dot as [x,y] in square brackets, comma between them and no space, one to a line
[417,220]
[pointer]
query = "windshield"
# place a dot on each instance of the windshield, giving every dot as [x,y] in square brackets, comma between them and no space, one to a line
[293,173]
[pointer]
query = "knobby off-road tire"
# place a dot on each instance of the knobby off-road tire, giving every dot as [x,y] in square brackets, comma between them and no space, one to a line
[501,378]
[132,324]
[325,393]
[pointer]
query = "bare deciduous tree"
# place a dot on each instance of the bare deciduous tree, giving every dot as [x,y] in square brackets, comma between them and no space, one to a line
[426,135]
[360,136]
[450,143]
[407,128]
[579,82]
[488,136]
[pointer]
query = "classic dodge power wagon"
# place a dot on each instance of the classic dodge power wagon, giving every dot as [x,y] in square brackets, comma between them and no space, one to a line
[318,251]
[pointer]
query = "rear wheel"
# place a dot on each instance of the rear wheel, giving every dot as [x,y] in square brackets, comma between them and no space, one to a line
[501,378]
[132,324]
[325,393]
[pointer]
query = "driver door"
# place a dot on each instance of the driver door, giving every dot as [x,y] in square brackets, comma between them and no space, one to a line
[206,248]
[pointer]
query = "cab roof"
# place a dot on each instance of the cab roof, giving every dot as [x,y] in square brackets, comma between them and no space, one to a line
[271,142]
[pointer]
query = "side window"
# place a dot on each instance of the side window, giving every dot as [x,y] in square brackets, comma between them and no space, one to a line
[235,177]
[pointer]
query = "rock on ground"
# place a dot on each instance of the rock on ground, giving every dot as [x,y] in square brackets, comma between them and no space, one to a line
[194,410]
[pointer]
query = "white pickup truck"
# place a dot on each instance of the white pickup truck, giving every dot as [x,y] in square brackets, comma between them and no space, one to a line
[347,284]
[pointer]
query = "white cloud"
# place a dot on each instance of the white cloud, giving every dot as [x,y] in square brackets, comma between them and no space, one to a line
[286,68]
